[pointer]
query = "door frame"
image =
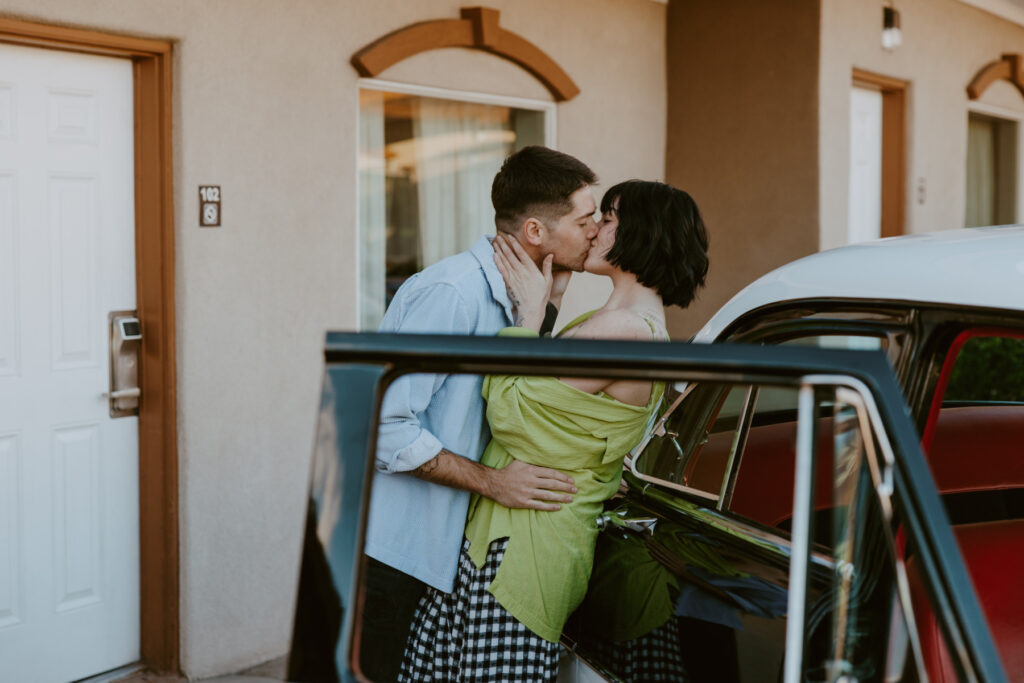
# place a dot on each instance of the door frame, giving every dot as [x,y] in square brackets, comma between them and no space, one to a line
[894,147]
[154,268]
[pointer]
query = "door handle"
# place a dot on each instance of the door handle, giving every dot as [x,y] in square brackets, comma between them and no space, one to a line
[637,524]
[125,341]
[134,392]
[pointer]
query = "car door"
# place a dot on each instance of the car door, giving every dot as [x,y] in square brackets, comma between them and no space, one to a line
[858,501]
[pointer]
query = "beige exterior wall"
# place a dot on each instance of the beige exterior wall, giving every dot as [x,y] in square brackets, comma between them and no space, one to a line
[265,106]
[945,43]
[742,136]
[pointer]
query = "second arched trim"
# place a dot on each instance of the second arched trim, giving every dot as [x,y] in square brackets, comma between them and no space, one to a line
[477,29]
[1008,68]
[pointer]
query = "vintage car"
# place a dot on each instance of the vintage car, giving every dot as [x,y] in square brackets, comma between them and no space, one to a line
[835,494]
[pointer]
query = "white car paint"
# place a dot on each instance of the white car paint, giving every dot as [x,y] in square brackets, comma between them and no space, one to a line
[970,267]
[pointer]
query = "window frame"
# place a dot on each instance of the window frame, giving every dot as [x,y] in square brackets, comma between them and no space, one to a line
[546,107]
[1012,116]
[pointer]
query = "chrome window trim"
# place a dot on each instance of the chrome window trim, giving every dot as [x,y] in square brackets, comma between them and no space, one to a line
[739,445]
[633,457]
[710,497]
[854,393]
[801,542]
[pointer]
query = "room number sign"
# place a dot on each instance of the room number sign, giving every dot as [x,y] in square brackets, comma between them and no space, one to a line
[209,206]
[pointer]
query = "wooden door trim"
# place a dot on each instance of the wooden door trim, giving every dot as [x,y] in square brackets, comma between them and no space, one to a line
[154,267]
[894,149]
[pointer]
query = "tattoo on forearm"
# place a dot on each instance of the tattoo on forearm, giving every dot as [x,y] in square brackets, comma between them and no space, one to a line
[430,465]
[518,315]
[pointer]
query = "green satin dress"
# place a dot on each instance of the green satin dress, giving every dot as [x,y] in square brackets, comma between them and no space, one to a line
[543,421]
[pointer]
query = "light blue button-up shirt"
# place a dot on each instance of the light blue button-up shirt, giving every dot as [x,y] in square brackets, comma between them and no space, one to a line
[415,526]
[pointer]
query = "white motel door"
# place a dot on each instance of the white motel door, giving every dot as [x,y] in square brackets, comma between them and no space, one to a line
[864,220]
[69,510]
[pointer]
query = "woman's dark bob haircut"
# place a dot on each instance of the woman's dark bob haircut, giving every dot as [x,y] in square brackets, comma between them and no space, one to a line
[661,238]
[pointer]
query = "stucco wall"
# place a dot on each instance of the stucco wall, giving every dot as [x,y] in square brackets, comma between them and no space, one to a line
[265,106]
[945,43]
[742,136]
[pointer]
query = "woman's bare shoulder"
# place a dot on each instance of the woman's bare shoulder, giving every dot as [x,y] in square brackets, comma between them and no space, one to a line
[617,323]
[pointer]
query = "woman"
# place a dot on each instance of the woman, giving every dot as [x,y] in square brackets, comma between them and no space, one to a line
[522,572]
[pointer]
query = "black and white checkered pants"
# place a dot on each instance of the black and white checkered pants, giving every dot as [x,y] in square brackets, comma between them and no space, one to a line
[467,636]
[653,658]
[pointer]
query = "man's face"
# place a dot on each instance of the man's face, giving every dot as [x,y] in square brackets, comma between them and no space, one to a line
[569,238]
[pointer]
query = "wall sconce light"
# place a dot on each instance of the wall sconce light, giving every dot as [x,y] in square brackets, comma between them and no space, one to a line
[891,35]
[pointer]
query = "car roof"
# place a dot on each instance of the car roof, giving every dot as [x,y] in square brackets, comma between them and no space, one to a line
[981,267]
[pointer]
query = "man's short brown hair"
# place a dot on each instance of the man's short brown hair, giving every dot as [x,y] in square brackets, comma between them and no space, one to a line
[536,181]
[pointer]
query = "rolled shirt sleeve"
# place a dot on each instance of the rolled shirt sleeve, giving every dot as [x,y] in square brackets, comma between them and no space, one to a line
[404,442]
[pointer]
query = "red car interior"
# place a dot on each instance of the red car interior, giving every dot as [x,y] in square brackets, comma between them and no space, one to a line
[969,453]
[978,448]
[994,555]
[974,448]
[970,449]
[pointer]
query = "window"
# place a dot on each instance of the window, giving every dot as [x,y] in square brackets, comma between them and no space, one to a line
[709,433]
[426,163]
[976,426]
[693,447]
[991,170]
[715,585]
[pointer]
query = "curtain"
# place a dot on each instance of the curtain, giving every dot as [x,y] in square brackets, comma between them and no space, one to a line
[981,172]
[372,209]
[459,149]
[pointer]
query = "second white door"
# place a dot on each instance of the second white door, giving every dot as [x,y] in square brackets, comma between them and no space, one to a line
[864,217]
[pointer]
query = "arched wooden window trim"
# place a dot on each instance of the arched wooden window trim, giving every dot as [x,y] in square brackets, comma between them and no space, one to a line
[1008,68]
[477,29]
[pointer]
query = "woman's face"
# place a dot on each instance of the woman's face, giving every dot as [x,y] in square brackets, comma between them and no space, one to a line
[596,261]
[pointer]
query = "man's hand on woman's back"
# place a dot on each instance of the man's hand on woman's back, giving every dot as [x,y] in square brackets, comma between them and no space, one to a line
[518,485]
[522,485]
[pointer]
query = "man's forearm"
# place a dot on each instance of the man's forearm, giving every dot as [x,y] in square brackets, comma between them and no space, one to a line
[448,469]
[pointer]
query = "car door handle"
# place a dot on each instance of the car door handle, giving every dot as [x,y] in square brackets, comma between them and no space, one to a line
[637,524]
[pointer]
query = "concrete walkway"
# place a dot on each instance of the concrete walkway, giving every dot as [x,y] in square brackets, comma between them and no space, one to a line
[270,672]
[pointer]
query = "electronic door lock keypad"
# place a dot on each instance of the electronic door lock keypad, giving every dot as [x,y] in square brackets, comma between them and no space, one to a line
[130,329]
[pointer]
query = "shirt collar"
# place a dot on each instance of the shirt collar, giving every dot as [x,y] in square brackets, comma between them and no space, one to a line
[484,254]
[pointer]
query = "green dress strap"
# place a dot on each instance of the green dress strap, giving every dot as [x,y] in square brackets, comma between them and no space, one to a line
[582,318]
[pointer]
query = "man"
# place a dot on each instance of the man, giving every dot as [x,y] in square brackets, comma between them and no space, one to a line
[433,431]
